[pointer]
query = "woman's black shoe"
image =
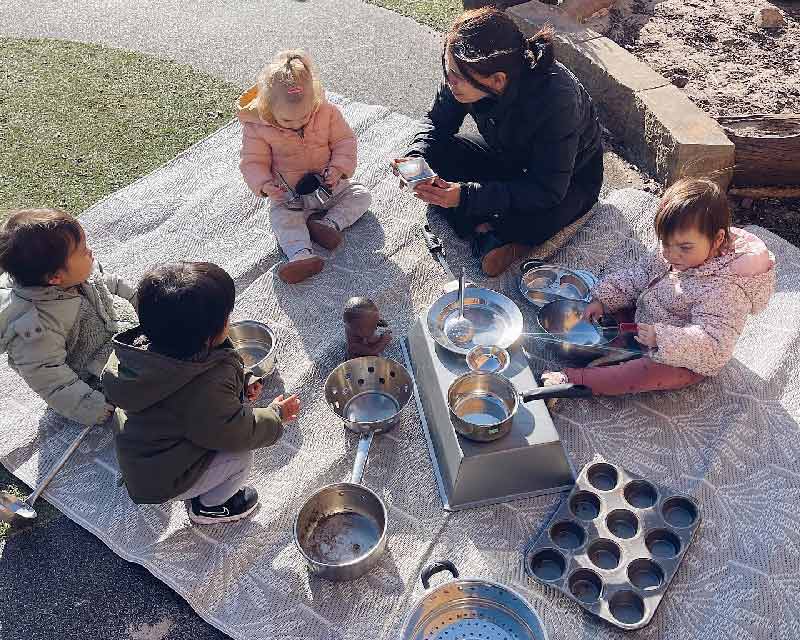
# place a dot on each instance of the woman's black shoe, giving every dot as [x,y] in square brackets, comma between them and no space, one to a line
[239,506]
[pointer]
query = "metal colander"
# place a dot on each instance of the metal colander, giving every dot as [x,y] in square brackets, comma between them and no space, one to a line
[471,609]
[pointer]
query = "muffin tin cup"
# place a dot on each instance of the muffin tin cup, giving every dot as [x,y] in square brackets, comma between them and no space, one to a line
[614,544]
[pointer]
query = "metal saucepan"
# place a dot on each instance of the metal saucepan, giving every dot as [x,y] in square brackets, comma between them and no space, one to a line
[575,339]
[483,405]
[12,507]
[341,530]
[470,608]
[255,343]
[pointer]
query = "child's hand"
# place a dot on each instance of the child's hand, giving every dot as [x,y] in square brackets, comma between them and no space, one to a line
[287,408]
[108,412]
[594,311]
[273,191]
[332,176]
[253,390]
[646,335]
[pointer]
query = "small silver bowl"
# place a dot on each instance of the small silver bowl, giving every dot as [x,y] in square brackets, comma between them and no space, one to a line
[491,359]
[255,343]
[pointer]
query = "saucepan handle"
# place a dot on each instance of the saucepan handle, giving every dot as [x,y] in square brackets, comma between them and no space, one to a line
[530,264]
[361,457]
[628,327]
[435,567]
[567,390]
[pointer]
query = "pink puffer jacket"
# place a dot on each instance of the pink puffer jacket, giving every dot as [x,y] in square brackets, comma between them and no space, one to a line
[267,150]
[698,313]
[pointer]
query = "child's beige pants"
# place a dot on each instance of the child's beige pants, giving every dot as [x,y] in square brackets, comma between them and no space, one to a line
[349,202]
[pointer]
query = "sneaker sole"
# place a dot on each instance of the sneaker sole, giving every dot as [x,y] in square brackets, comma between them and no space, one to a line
[207,520]
[498,260]
[324,235]
[298,270]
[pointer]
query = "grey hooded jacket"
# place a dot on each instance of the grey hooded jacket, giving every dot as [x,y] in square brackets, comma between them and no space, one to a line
[35,324]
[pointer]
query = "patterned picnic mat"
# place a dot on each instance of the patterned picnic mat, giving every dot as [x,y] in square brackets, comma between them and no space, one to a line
[732,443]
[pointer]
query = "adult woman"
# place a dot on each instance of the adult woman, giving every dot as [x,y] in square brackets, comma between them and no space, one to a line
[537,164]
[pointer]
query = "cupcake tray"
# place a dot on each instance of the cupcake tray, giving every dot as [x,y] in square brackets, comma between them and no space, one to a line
[614,544]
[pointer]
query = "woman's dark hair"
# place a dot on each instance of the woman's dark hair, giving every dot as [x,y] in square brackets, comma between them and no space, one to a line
[184,305]
[693,203]
[36,243]
[486,40]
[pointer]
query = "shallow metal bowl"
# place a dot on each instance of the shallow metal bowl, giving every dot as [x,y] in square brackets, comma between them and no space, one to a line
[573,338]
[488,358]
[255,342]
[541,283]
[495,318]
[369,393]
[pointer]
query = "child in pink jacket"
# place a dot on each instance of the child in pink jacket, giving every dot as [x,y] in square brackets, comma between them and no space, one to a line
[691,299]
[291,131]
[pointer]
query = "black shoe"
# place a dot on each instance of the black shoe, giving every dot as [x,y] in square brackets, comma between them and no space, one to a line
[239,506]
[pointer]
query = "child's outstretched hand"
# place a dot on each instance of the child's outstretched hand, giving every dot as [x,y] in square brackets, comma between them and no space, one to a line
[253,390]
[593,311]
[646,335]
[287,408]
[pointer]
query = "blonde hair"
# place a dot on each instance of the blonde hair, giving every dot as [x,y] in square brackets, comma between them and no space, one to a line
[291,77]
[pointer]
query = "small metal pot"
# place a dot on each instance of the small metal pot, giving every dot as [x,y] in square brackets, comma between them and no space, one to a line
[470,608]
[312,185]
[255,342]
[483,405]
[492,359]
[341,529]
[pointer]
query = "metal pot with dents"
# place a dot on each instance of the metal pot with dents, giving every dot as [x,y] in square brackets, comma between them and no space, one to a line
[483,405]
[341,529]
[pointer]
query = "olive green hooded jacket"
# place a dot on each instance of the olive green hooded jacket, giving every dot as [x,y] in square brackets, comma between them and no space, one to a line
[174,415]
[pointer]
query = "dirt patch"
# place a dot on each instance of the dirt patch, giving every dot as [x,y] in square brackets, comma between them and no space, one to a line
[713,50]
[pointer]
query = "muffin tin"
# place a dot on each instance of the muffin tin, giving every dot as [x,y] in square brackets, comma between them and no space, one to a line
[614,544]
[541,283]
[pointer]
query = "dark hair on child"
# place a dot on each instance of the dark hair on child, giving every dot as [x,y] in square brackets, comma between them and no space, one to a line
[693,203]
[357,306]
[36,243]
[184,305]
[486,40]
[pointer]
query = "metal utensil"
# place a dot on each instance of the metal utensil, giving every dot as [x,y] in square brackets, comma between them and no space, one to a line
[483,405]
[341,529]
[313,185]
[13,507]
[255,343]
[457,327]
[496,319]
[436,249]
[470,608]
[491,359]
[541,283]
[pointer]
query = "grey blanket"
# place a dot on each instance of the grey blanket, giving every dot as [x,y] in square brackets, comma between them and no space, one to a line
[732,442]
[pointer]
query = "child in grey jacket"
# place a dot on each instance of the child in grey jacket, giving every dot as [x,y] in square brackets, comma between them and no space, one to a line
[59,311]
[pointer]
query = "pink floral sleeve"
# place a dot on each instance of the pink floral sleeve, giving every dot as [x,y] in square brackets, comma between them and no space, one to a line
[620,289]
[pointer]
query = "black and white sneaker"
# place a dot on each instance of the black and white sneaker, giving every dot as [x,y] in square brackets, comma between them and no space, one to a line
[239,506]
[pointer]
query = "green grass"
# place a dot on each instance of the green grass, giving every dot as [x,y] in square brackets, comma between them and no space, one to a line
[77,121]
[438,14]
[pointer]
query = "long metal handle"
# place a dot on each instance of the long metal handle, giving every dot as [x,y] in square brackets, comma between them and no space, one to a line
[57,467]
[461,294]
[436,249]
[361,458]
[567,390]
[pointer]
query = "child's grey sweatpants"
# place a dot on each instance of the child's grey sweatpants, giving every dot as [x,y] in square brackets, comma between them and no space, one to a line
[226,474]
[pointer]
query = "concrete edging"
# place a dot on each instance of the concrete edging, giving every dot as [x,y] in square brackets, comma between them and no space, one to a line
[663,130]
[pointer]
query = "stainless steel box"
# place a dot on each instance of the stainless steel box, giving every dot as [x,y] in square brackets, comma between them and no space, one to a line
[529,461]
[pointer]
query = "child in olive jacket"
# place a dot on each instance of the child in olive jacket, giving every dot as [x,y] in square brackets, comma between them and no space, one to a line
[184,431]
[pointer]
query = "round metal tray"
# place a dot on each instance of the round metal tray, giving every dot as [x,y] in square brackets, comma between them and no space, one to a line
[497,319]
[543,283]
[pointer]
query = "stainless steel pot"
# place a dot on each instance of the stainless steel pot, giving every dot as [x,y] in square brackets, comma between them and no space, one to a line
[466,608]
[255,343]
[483,405]
[341,529]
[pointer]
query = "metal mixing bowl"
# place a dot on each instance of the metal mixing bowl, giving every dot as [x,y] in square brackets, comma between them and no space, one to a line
[255,343]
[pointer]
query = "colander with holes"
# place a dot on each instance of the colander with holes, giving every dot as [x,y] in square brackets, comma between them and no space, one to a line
[470,609]
[369,393]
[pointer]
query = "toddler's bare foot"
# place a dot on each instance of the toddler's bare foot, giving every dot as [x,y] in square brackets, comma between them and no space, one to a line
[550,378]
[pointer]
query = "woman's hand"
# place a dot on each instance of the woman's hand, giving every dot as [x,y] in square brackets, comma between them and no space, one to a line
[594,311]
[287,408]
[253,390]
[439,192]
[646,335]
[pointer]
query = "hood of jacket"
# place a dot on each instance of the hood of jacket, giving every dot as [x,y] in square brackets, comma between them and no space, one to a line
[136,377]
